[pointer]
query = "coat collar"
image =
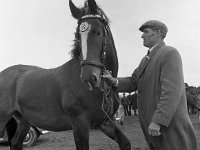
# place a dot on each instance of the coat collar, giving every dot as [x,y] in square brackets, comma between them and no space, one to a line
[154,50]
[145,61]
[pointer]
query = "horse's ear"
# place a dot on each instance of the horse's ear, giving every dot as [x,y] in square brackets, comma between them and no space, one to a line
[74,10]
[93,6]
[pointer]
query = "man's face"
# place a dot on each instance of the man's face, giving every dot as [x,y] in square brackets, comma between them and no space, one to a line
[149,37]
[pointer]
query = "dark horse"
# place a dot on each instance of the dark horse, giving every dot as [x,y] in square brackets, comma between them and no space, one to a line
[72,96]
[193,103]
[193,100]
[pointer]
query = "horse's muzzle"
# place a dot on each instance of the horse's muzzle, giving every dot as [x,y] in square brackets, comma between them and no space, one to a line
[93,82]
[91,77]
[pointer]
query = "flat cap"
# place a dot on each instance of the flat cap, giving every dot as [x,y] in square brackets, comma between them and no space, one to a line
[154,24]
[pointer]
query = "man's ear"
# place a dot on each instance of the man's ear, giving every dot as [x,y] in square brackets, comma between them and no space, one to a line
[158,33]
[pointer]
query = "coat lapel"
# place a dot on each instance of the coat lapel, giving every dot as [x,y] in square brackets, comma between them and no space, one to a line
[145,61]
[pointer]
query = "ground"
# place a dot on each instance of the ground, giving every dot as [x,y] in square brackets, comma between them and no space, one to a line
[99,141]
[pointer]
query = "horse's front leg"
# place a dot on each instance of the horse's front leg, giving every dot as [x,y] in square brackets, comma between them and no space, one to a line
[111,129]
[81,133]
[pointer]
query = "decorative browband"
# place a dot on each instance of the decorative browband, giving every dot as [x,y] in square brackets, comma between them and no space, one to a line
[84,24]
[91,16]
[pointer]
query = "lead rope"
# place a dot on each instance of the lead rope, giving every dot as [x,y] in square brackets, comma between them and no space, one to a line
[105,98]
[107,90]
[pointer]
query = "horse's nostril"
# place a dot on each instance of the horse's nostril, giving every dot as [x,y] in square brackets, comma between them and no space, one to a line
[95,80]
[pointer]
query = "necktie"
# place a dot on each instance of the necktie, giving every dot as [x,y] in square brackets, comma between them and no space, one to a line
[148,52]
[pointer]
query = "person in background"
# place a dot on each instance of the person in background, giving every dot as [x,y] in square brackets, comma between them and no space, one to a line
[133,103]
[124,102]
[129,104]
[162,102]
[120,115]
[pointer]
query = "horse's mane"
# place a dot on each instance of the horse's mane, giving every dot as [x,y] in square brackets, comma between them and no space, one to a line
[75,52]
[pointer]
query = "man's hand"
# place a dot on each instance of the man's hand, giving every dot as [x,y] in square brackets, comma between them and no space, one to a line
[154,129]
[107,75]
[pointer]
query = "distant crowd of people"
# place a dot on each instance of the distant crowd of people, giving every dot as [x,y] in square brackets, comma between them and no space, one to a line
[128,106]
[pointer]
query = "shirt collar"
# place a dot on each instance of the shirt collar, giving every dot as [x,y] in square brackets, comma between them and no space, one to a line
[152,47]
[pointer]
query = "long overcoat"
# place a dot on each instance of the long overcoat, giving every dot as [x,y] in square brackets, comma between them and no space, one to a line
[162,99]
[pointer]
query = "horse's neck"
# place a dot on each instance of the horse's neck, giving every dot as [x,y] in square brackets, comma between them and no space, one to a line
[72,66]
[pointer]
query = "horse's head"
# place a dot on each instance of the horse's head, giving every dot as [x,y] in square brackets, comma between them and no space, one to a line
[94,44]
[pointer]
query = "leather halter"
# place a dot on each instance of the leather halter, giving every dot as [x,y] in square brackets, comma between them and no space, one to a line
[107,103]
[103,57]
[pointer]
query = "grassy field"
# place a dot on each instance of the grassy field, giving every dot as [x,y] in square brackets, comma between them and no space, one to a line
[133,131]
[98,140]
[196,124]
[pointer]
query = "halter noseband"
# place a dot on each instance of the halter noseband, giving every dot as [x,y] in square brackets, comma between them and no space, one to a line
[93,62]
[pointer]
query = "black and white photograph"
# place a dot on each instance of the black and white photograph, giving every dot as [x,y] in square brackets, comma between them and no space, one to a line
[99,75]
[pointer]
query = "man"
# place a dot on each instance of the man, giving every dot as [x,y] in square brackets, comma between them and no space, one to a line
[161,93]
[133,102]
[120,114]
[125,102]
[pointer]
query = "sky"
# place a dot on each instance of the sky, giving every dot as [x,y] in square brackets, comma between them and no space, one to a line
[41,32]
